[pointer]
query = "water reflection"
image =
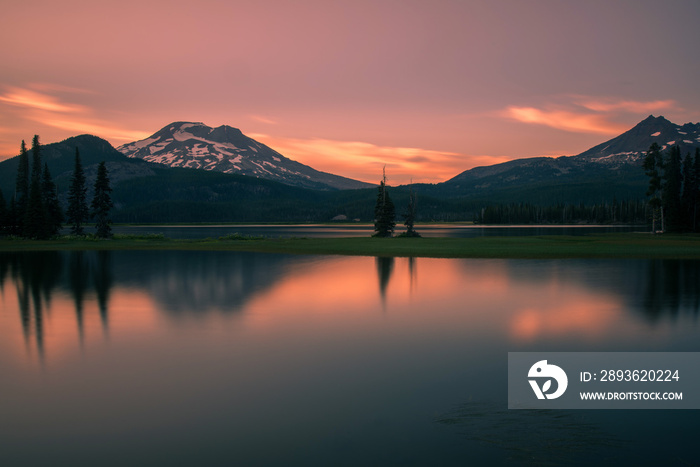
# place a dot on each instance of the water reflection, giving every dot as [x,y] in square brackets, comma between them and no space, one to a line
[385,265]
[672,287]
[103,282]
[258,357]
[532,300]
[191,282]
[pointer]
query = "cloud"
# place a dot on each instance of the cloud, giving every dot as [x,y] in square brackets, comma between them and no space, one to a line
[565,120]
[638,107]
[47,110]
[90,127]
[34,100]
[586,114]
[261,119]
[364,161]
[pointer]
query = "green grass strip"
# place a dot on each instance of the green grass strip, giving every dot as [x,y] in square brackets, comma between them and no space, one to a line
[617,245]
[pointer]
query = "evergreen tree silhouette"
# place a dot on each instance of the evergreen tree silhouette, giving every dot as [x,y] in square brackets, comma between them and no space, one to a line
[35,225]
[54,215]
[384,212]
[673,180]
[653,167]
[21,190]
[77,212]
[102,203]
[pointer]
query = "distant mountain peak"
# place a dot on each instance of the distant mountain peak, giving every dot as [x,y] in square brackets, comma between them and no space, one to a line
[613,167]
[226,149]
[631,145]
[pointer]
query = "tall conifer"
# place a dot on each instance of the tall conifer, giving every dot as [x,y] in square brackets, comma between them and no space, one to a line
[35,225]
[653,167]
[690,188]
[77,212]
[673,180]
[410,215]
[21,189]
[4,217]
[384,212]
[54,215]
[102,203]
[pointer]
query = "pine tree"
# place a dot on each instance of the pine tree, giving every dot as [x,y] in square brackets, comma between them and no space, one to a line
[4,214]
[54,215]
[35,225]
[21,190]
[102,203]
[410,215]
[36,159]
[77,212]
[696,174]
[384,212]
[673,181]
[34,218]
[690,188]
[653,167]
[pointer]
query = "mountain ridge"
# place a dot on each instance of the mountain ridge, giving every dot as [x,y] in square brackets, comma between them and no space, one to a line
[612,166]
[150,192]
[226,149]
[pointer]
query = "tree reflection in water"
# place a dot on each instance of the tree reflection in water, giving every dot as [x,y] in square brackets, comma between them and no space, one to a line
[672,286]
[37,274]
[199,283]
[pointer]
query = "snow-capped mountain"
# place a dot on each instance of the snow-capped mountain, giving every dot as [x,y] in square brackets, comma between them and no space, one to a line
[632,145]
[611,168]
[629,148]
[226,149]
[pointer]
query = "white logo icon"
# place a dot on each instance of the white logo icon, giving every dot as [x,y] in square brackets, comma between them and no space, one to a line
[542,370]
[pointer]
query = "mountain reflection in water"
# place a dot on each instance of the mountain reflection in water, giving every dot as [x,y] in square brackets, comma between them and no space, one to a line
[196,283]
[262,358]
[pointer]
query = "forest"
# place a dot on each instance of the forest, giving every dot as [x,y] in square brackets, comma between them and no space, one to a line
[143,192]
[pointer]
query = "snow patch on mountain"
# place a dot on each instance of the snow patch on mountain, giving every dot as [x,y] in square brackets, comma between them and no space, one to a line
[226,149]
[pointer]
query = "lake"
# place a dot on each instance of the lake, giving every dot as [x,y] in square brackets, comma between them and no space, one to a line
[234,358]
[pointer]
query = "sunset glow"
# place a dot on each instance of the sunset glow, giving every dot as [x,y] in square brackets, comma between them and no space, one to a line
[429,89]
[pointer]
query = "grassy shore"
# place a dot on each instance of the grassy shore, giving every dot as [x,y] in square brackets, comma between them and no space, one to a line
[618,245]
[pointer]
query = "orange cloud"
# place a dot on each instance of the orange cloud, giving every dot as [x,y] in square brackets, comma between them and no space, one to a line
[611,105]
[565,120]
[90,127]
[364,161]
[35,100]
[48,110]
[261,119]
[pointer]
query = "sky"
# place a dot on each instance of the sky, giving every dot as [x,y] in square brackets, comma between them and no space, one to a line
[425,88]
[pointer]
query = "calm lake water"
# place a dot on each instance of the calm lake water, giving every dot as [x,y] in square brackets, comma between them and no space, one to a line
[231,358]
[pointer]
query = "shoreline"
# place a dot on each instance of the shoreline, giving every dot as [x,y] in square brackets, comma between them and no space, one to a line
[614,245]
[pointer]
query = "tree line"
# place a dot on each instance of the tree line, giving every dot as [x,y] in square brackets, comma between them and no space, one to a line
[674,189]
[34,210]
[615,212]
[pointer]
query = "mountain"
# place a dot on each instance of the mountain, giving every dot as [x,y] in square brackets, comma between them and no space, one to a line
[60,158]
[610,169]
[225,149]
[150,192]
[632,145]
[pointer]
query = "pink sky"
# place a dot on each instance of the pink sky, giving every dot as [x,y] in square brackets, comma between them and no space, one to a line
[428,88]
